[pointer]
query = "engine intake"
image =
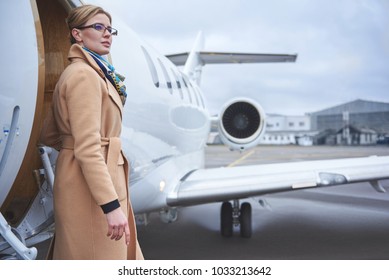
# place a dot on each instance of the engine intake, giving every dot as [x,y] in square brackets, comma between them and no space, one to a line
[241,124]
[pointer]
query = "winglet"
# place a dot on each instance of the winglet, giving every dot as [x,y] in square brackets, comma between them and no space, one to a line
[194,64]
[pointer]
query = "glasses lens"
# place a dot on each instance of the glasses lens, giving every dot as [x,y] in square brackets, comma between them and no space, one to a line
[99,27]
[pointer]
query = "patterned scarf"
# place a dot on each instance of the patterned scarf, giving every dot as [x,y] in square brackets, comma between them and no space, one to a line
[115,78]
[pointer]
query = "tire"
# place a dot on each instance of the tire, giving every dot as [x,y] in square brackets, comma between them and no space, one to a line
[226,222]
[245,220]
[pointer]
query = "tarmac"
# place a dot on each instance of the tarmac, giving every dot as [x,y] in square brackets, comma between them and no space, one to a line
[348,222]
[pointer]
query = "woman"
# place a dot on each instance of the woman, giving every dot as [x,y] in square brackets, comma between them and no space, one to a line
[93,216]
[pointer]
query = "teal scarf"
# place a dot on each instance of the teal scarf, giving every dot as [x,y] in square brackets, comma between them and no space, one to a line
[115,78]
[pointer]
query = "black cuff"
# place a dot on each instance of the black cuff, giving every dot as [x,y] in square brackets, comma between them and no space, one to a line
[110,206]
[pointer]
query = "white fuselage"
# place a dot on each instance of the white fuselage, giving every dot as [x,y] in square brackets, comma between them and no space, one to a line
[165,122]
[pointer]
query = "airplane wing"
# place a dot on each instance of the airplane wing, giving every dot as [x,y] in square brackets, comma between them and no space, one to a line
[223,184]
[220,57]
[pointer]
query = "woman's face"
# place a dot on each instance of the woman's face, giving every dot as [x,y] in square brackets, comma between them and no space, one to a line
[98,41]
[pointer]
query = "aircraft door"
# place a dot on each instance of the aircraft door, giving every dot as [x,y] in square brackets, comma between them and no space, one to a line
[38,51]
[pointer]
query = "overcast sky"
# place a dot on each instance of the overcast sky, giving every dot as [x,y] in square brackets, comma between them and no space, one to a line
[342,47]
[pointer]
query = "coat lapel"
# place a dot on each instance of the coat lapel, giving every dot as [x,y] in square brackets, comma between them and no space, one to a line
[76,51]
[114,95]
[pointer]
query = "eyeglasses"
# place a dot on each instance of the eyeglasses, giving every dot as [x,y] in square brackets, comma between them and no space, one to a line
[100,27]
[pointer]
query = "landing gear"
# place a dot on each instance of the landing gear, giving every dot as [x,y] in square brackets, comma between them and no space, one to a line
[226,220]
[232,215]
[245,220]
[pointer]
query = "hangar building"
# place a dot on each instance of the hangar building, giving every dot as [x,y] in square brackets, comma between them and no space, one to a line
[360,116]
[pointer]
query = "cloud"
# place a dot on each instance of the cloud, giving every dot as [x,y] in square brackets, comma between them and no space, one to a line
[342,46]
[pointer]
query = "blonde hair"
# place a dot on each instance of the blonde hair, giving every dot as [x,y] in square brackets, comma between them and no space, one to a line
[80,15]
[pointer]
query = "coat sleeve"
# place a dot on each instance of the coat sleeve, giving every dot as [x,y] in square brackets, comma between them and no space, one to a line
[49,135]
[83,93]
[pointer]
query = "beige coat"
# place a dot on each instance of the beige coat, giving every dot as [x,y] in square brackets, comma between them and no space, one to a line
[84,123]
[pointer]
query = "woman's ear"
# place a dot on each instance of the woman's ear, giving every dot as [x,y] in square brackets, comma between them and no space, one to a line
[76,33]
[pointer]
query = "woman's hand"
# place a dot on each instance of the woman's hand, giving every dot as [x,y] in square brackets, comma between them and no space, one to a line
[118,225]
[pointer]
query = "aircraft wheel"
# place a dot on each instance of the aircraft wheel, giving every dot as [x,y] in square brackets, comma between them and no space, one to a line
[245,220]
[226,221]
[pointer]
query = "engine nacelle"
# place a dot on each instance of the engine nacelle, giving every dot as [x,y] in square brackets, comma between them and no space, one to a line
[241,124]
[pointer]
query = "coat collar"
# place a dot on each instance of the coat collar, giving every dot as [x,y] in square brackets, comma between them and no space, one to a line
[77,52]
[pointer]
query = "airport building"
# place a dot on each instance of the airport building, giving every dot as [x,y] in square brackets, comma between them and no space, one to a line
[286,130]
[359,122]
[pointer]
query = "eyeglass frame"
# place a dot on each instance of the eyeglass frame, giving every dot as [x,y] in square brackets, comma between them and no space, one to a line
[113,32]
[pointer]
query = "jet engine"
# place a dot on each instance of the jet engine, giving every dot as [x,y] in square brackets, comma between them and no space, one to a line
[241,124]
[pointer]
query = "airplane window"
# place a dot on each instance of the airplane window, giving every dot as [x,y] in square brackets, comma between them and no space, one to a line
[165,73]
[178,83]
[202,99]
[183,79]
[186,82]
[191,94]
[195,94]
[153,70]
